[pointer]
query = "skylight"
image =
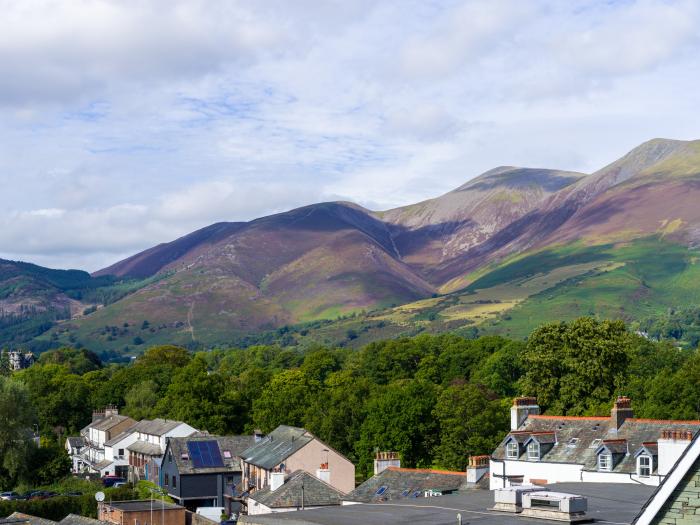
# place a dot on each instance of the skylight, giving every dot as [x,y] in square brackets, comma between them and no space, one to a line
[381,490]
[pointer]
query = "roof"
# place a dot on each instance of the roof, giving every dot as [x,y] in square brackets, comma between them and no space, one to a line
[617,503]
[687,464]
[233,444]
[34,520]
[108,422]
[76,442]
[142,505]
[277,446]
[75,519]
[579,438]
[316,493]
[120,436]
[614,446]
[103,464]
[402,483]
[156,427]
[143,447]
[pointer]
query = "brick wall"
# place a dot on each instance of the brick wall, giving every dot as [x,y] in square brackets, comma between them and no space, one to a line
[683,507]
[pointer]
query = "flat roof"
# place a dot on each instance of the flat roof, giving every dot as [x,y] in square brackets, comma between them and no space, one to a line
[142,505]
[607,502]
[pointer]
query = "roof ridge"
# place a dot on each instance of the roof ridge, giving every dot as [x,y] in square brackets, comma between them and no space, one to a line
[575,418]
[426,470]
[664,421]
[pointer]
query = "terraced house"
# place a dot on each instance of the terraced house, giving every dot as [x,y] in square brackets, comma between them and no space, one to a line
[617,449]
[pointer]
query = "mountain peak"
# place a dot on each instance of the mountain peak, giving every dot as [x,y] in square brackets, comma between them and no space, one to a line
[513,177]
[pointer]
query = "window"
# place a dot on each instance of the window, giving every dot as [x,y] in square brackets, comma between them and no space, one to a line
[227,454]
[644,466]
[595,443]
[512,450]
[572,443]
[174,481]
[121,451]
[605,462]
[533,450]
[381,490]
[167,482]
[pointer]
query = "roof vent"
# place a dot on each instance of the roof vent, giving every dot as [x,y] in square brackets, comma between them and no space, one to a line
[557,506]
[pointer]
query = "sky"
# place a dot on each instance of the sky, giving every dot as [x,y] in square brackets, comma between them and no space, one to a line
[129,123]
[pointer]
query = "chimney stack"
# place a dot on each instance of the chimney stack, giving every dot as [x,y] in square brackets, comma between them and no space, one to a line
[521,409]
[477,467]
[383,460]
[622,409]
[324,473]
[258,435]
[671,446]
[276,480]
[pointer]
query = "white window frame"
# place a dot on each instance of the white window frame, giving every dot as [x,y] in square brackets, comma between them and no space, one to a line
[650,466]
[512,450]
[533,446]
[605,462]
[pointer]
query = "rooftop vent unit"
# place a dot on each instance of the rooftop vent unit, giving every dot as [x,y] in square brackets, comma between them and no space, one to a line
[556,506]
[510,499]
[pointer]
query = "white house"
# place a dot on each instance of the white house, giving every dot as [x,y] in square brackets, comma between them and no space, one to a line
[105,425]
[617,449]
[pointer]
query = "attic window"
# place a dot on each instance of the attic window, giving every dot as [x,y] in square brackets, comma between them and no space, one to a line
[184,456]
[381,490]
[227,454]
[405,493]
[595,443]
[573,442]
[512,450]
[644,466]
[605,462]
[533,450]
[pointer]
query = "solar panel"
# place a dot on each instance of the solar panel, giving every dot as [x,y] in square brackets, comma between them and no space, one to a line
[205,454]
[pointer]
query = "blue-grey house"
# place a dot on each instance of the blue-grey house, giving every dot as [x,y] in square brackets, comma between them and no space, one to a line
[203,470]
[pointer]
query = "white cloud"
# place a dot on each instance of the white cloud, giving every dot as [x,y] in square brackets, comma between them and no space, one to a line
[127,124]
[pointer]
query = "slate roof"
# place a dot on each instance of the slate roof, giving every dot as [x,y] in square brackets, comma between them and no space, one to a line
[156,427]
[143,447]
[76,442]
[404,483]
[119,437]
[607,503]
[106,423]
[317,493]
[142,505]
[233,444]
[578,438]
[277,446]
[103,464]
[75,519]
[34,520]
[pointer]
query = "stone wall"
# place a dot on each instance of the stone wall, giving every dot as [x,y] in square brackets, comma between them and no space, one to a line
[683,507]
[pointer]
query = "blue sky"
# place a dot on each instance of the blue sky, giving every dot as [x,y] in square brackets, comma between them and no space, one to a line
[126,124]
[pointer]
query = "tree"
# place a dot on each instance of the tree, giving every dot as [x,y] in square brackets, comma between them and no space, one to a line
[577,368]
[18,418]
[284,400]
[141,400]
[399,418]
[472,421]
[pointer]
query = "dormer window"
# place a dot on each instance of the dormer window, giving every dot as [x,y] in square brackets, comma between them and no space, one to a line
[533,451]
[512,450]
[605,462]
[644,466]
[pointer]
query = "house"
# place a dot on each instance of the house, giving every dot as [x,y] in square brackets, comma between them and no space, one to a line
[290,492]
[141,512]
[677,499]
[18,361]
[105,425]
[147,446]
[616,449]
[74,448]
[20,518]
[288,449]
[396,483]
[203,470]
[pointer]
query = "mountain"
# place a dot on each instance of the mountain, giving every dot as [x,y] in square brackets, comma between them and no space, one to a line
[503,252]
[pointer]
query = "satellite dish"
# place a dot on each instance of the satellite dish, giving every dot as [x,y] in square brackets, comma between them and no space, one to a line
[100,496]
